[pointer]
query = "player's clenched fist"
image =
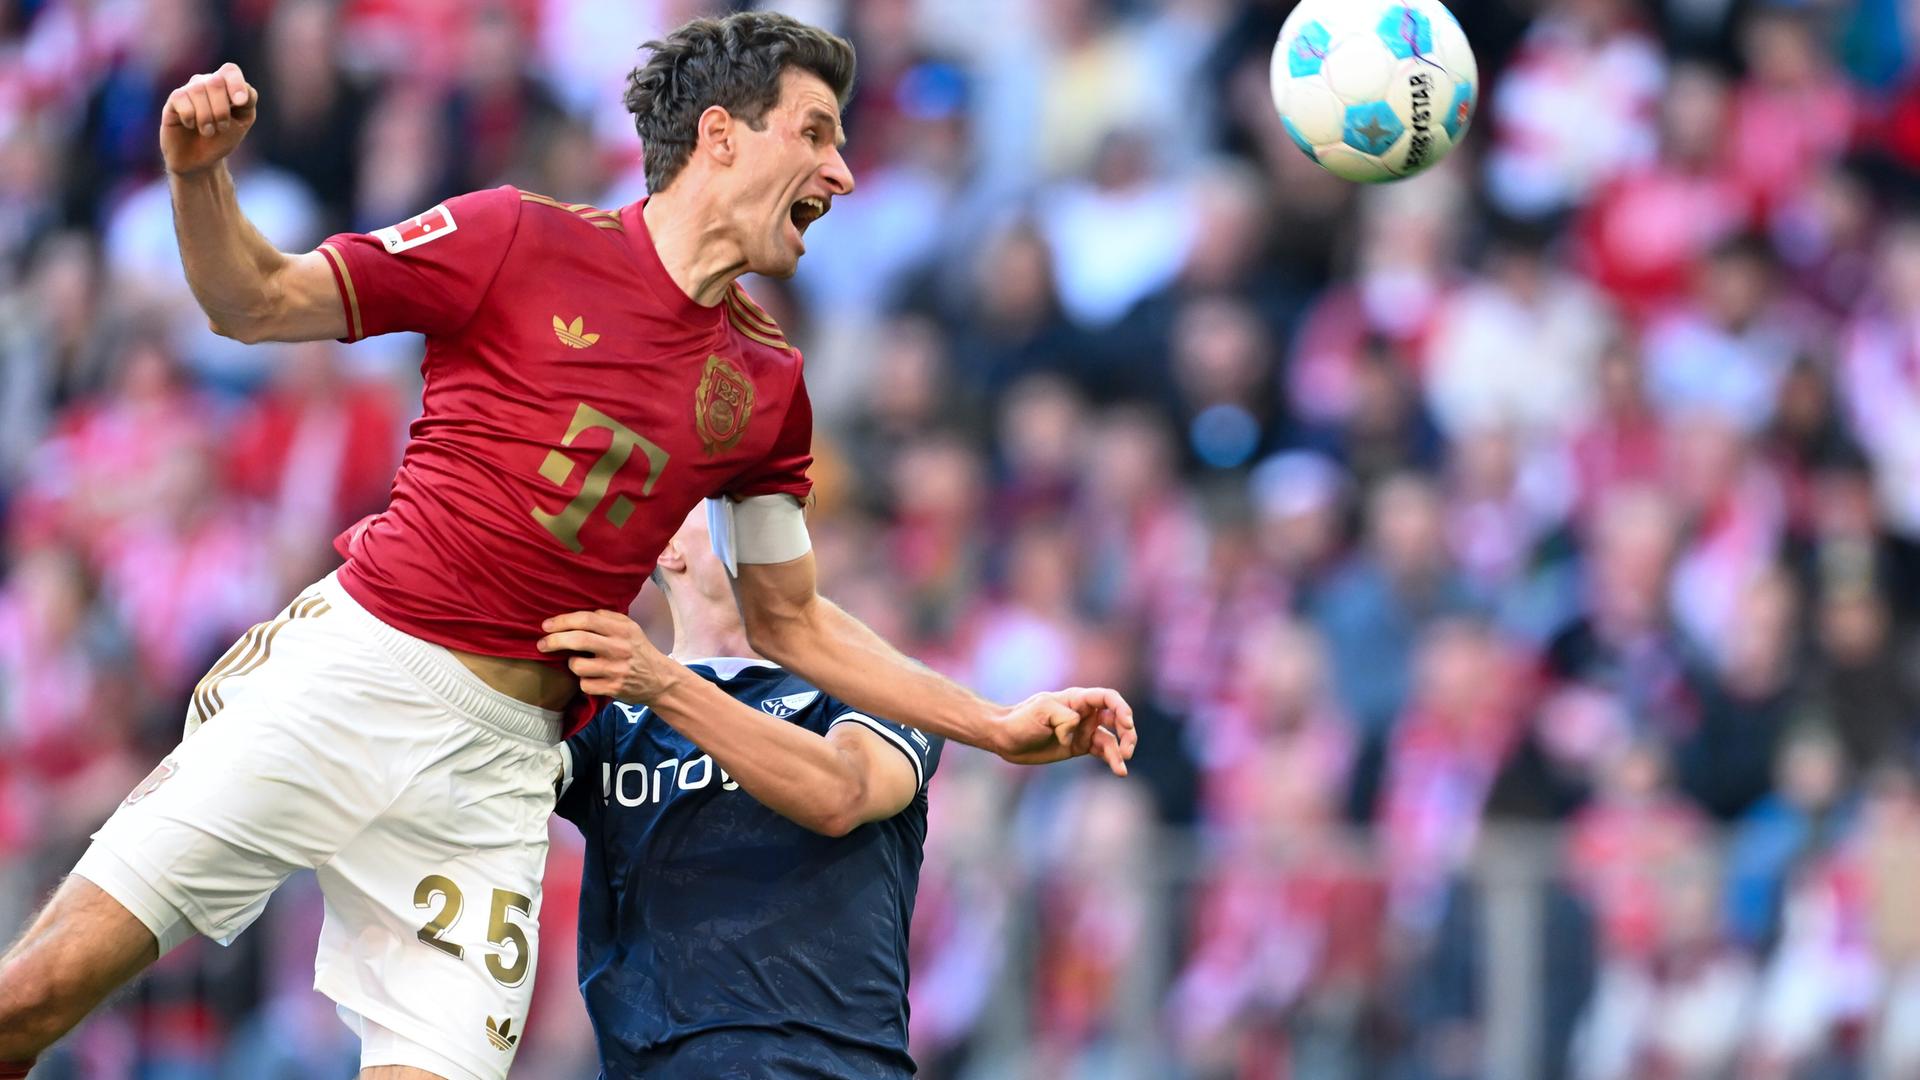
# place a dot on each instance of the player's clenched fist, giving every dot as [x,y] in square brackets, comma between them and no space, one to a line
[205,119]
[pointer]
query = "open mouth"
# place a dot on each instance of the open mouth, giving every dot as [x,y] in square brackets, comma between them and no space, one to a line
[807,211]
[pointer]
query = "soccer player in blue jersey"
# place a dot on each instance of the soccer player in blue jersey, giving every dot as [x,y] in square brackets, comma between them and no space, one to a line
[752,852]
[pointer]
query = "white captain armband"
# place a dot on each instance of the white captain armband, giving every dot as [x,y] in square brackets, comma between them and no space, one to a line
[757,531]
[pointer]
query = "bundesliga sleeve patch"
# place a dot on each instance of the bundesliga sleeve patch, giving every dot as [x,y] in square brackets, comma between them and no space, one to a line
[419,229]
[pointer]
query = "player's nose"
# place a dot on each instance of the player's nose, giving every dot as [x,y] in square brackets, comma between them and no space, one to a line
[838,176]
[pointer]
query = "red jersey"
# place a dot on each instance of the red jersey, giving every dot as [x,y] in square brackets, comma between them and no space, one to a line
[577,406]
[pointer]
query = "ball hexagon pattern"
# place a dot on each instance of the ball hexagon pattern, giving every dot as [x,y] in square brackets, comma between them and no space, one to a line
[1374,90]
[1407,32]
[1308,52]
[1372,128]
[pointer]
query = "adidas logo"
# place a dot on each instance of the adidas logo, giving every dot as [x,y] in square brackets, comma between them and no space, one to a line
[500,1033]
[572,333]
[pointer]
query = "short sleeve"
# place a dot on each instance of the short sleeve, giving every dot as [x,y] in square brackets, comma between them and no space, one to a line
[580,759]
[921,749]
[428,273]
[784,470]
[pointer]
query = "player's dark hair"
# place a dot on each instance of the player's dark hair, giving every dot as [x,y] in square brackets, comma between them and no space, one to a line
[735,63]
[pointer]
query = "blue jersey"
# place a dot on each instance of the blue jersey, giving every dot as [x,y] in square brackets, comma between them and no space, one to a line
[719,939]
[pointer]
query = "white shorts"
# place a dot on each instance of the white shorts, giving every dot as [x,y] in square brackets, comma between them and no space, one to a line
[419,795]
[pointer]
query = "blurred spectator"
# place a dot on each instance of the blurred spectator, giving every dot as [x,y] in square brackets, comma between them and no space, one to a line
[1586,58]
[310,113]
[1861,683]
[936,496]
[1102,271]
[1747,696]
[56,648]
[110,450]
[1500,508]
[1623,445]
[1517,350]
[1880,379]
[1092,908]
[1226,401]
[51,353]
[1287,950]
[1729,349]
[1824,234]
[1735,511]
[1278,709]
[1040,454]
[1014,323]
[1023,643]
[1622,643]
[114,147]
[1796,825]
[1300,504]
[404,166]
[1642,234]
[911,162]
[1888,854]
[1231,257]
[1374,610]
[1444,753]
[498,111]
[1819,988]
[1793,114]
[1362,333]
[910,393]
[1684,1013]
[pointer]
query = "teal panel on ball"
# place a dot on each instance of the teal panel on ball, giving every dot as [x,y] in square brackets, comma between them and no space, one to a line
[1407,32]
[1309,50]
[1461,111]
[1372,128]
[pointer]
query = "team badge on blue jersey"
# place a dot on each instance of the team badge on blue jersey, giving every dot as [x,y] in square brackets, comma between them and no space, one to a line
[784,707]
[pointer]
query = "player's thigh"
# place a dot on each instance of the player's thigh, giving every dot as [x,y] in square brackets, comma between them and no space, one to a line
[305,749]
[432,913]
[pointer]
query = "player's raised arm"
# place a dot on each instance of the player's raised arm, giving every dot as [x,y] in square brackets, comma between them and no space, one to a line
[789,622]
[831,784]
[250,290]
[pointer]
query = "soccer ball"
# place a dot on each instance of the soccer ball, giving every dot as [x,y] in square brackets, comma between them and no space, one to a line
[1374,90]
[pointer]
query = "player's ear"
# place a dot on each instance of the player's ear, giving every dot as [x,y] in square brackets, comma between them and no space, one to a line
[673,557]
[716,133]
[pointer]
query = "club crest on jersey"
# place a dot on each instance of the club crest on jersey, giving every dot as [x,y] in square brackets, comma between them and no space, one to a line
[430,225]
[722,405]
[784,707]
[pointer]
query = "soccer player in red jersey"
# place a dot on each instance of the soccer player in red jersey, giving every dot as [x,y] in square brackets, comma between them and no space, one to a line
[591,376]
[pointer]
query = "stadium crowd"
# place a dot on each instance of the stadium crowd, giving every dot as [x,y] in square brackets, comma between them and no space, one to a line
[1573,487]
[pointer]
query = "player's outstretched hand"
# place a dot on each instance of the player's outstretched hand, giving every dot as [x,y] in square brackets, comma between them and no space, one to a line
[205,118]
[616,660]
[1061,724]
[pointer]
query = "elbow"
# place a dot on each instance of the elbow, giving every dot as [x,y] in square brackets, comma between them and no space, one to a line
[246,332]
[833,825]
[843,814]
[770,644]
[837,821]
[775,635]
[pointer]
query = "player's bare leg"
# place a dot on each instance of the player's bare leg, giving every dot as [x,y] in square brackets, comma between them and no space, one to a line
[398,1072]
[80,948]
